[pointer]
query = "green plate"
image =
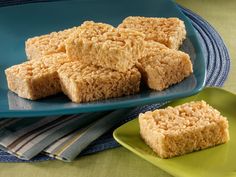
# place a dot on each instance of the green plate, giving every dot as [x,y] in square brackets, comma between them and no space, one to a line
[213,162]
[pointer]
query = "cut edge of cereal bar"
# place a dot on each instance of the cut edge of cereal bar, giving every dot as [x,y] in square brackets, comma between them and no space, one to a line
[36,79]
[83,83]
[163,67]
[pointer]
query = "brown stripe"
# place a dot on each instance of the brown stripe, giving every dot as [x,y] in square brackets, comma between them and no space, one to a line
[45,130]
[8,122]
[2,121]
[17,141]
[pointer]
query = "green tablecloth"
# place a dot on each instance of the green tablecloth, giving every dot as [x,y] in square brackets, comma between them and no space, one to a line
[119,161]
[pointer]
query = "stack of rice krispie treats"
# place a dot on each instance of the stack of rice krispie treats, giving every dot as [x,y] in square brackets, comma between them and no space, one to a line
[96,61]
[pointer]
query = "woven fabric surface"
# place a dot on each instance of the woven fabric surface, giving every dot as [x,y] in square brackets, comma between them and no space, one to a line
[218,63]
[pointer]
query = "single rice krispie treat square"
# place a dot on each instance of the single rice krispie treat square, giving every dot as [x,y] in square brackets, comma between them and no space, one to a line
[88,31]
[83,83]
[168,31]
[54,42]
[175,131]
[103,45]
[163,67]
[36,78]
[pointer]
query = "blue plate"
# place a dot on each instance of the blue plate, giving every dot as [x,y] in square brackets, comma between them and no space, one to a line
[17,23]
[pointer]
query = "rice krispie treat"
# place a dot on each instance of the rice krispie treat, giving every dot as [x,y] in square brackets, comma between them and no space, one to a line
[163,67]
[103,45]
[54,42]
[168,31]
[88,31]
[83,83]
[174,131]
[36,78]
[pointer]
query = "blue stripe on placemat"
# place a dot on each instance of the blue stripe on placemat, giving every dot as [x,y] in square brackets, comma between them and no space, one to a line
[218,64]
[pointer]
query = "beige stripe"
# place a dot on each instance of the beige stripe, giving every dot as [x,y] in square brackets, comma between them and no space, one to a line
[53,148]
[71,141]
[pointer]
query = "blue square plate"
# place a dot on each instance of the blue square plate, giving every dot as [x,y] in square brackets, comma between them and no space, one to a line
[17,23]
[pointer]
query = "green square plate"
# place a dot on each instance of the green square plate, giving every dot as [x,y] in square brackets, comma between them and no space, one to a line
[218,161]
[17,23]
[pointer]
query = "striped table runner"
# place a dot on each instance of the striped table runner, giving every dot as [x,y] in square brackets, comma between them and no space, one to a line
[68,147]
[25,138]
[61,137]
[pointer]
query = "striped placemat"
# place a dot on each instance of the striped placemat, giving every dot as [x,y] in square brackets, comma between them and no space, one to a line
[218,63]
